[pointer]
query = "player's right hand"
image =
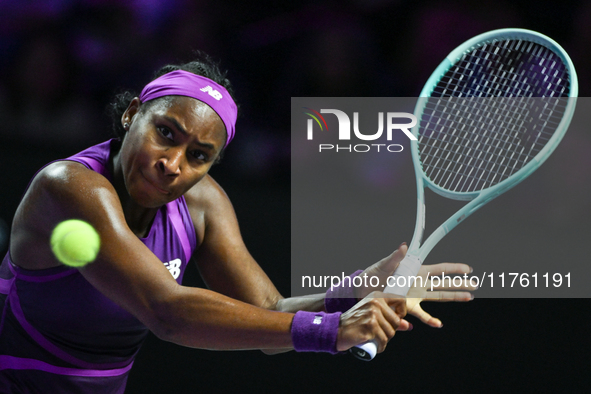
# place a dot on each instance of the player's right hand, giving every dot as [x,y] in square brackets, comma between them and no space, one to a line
[376,317]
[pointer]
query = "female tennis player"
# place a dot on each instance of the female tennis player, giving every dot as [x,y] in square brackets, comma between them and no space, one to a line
[149,196]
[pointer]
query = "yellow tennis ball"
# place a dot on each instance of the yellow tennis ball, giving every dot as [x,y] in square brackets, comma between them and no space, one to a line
[75,243]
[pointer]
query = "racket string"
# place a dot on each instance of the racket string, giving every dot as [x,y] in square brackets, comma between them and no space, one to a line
[466,143]
[491,113]
[466,146]
[482,156]
[500,69]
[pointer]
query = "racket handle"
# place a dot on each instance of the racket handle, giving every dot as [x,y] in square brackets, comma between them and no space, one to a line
[409,268]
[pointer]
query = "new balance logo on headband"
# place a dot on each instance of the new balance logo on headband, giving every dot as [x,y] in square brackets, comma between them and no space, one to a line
[212,92]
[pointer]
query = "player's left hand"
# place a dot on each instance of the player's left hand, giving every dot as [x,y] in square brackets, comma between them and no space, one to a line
[428,290]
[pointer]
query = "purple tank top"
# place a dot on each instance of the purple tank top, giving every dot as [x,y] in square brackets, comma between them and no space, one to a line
[58,333]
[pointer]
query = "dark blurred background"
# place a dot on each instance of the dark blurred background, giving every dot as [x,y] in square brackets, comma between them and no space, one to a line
[62,61]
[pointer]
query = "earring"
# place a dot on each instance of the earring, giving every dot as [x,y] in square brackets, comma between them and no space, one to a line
[126,126]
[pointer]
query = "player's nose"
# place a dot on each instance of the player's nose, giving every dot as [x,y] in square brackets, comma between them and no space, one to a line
[171,162]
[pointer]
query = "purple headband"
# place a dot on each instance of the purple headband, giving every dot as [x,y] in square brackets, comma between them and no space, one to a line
[184,83]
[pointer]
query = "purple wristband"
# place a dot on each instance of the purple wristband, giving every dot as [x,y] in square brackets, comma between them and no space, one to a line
[315,331]
[342,297]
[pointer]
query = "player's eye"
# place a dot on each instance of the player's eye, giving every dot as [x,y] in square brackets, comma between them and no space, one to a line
[197,154]
[166,132]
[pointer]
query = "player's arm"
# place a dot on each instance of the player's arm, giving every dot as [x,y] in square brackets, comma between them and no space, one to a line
[128,273]
[223,260]
[227,267]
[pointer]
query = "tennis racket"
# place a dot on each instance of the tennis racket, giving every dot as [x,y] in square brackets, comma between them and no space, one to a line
[489,115]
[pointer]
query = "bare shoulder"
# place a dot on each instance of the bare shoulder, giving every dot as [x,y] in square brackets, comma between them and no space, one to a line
[66,186]
[207,193]
[67,178]
[209,206]
[208,198]
[60,191]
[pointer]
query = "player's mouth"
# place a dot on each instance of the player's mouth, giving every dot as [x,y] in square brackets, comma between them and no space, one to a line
[155,186]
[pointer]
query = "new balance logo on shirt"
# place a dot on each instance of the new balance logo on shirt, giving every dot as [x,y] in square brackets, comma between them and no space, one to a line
[212,92]
[174,267]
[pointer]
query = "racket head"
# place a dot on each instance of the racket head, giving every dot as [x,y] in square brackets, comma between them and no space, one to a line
[517,72]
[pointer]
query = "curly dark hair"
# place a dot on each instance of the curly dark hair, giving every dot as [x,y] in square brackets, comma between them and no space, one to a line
[203,65]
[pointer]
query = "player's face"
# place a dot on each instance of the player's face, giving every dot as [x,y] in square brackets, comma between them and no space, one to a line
[169,148]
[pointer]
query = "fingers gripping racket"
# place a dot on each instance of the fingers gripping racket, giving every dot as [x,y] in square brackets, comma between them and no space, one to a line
[489,116]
